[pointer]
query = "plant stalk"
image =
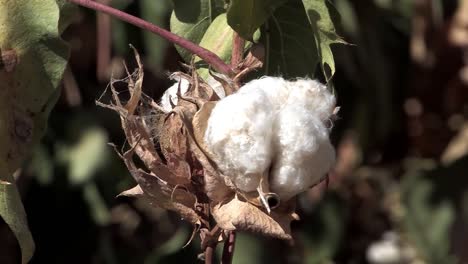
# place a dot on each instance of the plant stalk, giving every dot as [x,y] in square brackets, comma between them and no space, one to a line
[201,52]
[209,254]
[228,250]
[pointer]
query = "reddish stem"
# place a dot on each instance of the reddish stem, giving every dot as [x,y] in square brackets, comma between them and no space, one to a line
[203,53]
[228,250]
[209,254]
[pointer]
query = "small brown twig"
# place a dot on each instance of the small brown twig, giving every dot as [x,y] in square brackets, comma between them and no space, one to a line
[209,242]
[103,48]
[228,250]
[209,254]
[203,53]
[238,44]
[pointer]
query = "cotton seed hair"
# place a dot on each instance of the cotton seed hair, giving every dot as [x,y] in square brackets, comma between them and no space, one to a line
[275,129]
[170,95]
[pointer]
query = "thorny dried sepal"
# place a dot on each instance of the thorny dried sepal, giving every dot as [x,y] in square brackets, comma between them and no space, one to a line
[252,62]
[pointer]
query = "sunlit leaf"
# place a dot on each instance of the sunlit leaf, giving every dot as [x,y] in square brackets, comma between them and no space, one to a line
[321,15]
[190,19]
[322,237]
[429,193]
[87,156]
[218,39]
[29,29]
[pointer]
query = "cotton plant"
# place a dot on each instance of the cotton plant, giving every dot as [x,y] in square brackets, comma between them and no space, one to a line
[224,153]
[219,151]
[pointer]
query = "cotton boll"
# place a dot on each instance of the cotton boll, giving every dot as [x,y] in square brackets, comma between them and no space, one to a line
[171,93]
[313,96]
[386,251]
[303,152]
[276,128]
[239,135]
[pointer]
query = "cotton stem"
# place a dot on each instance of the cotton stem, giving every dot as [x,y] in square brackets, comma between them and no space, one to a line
[203,53]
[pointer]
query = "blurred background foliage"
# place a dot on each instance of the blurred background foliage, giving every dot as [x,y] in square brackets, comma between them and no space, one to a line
[398,194]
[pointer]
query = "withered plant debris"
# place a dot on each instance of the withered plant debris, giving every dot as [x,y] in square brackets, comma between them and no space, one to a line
[185,180]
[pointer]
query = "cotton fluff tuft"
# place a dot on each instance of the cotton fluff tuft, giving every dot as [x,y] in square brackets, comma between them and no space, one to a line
[171,93]
[274,128]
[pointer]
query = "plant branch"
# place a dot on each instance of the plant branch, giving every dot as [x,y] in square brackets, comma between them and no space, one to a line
[203,53]
[228,250]
[209,254]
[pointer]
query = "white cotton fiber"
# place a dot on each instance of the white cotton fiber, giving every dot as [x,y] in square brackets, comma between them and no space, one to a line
[275,127]
[171,93]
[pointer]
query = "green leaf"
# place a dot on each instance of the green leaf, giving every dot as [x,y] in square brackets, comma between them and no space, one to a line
[97,206]
[190,19]
[171,246]
[430,192]
[248,249]
[289,43]
[30,29]
[85,158]
[41,165]
[321,15]
[12,211]
[246,16]
[218,38]
[322,237]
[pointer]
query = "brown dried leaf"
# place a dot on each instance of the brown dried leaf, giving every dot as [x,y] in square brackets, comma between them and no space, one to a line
[252,62]
[172,139]
[200,122]
[161,194]
[133,192]
[138,137]
[136,91]
[180,168]
[238,214]
[136,131]
[215,186]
